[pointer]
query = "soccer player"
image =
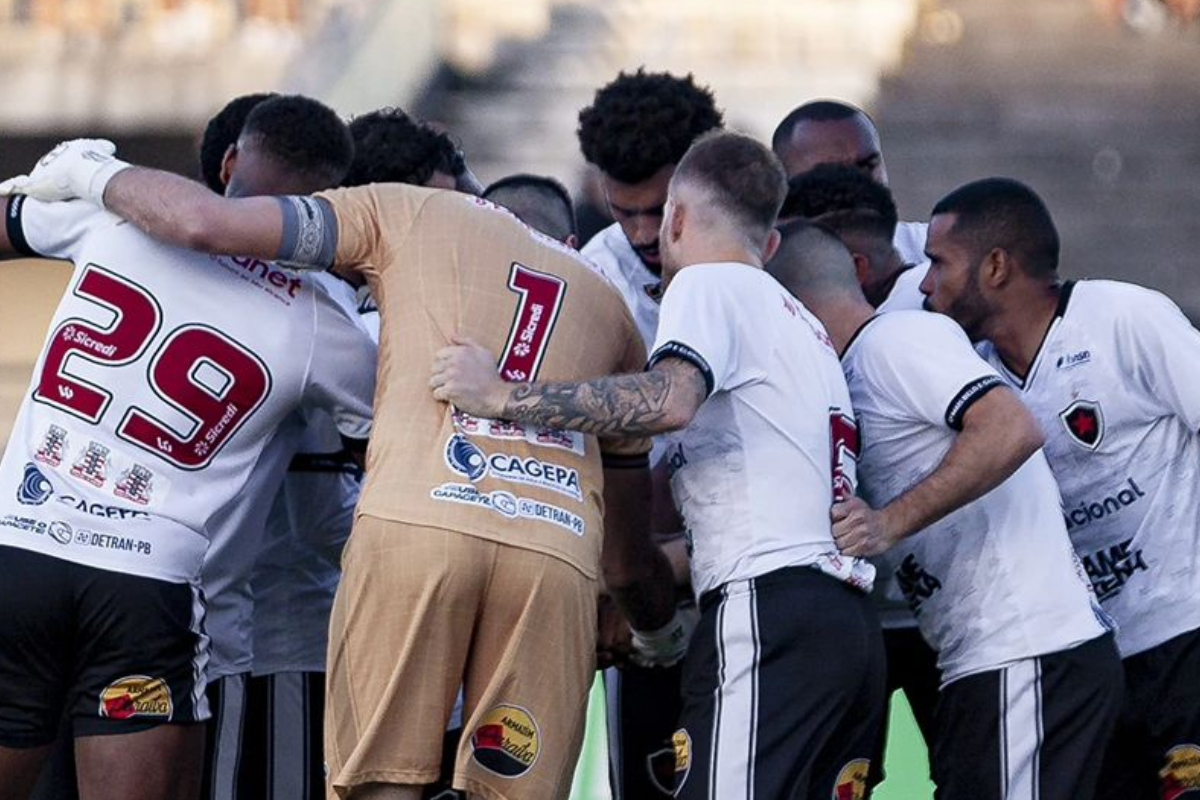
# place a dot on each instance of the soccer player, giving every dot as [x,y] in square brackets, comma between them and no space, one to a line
[966,517]
[783,682]
[220,134]
[163,378]
[393,147]
[832,132]
[286,144]
[477,545]
[635,131]
[1110,371]
[822,135]
[540,202]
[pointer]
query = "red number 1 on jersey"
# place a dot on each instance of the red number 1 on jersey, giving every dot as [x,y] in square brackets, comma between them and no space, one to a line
[541,298]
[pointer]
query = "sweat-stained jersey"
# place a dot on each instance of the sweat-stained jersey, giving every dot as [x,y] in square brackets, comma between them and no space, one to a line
[1116,388]
[995,581]
[442,263]
[164,375]
[775,442]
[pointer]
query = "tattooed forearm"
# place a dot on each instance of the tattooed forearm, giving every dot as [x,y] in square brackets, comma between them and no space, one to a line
[657,401]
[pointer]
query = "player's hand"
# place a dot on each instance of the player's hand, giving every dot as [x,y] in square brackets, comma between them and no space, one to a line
[666,646]
[79,168]
[614,640]
[859,530]
[464,374]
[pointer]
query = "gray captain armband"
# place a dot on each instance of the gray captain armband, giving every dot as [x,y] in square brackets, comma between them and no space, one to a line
[309,240]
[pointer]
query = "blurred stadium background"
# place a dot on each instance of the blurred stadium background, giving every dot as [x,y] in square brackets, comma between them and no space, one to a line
[1095,103]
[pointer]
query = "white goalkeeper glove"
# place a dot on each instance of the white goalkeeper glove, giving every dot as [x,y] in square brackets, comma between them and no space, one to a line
[666,646]
[79,168]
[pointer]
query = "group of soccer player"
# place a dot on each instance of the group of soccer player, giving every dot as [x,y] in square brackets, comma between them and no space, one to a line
[727,447]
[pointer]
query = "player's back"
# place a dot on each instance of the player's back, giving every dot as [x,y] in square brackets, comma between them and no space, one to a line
[441,264]
[164,374]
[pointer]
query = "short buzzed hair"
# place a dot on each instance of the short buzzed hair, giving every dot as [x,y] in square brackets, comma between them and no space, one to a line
[540,202]
[739,174]
[1004,213]
[811,261]
[222,131]
[303,134]
[816,111]
[844,200]
[393,147]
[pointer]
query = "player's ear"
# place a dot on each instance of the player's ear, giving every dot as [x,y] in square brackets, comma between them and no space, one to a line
[862,268]
[572,241]
[997,268]
[228,162]
[676,214]
[771,246]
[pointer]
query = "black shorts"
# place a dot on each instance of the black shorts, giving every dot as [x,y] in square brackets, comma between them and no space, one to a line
[114,653]
[783,691]
[1155,752]
[911,668]
[1034,730]
[644,704]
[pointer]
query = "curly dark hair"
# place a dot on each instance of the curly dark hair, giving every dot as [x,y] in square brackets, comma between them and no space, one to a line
[393,147]
[223,130]
[842,199]
[642,122]
[304,134]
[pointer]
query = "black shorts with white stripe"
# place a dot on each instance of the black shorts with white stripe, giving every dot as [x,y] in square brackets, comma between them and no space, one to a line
[1034,730]
[643,713]
[1155,751]
[282,758]
[113,653]
[783,691]
[223,737]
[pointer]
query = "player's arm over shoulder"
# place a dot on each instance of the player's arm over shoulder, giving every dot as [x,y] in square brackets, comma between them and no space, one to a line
[45,230]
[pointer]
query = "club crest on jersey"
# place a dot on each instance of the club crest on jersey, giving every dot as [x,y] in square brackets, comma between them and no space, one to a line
[1084,422]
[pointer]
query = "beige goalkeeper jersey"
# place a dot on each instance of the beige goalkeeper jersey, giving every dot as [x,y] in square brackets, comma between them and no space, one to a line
[442,263]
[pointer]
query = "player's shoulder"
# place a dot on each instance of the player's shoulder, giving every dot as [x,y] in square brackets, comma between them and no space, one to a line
[1097,303]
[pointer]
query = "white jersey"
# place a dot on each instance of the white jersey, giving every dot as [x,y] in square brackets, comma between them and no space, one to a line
[773,446]
[995,581]
[299,564]
[610,251]
[909,241]
[164,376]
[1116,387]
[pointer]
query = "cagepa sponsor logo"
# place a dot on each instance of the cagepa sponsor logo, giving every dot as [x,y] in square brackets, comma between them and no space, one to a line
[510,506]
[137,696]
[1088,512]
[466,459]
[1110,568]
[35,487]
[507,741]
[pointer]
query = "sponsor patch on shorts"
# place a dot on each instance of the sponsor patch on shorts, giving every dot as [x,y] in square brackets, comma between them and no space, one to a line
[507,741]
[1181,775]
[681,741]
[137,696]
[851,783]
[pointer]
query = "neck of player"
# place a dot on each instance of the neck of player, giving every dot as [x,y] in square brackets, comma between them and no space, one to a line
[1021,328]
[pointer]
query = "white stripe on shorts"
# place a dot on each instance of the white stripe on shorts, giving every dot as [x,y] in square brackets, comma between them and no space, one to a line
[227,743]
[735,720]
[1021,729]
[288,732]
